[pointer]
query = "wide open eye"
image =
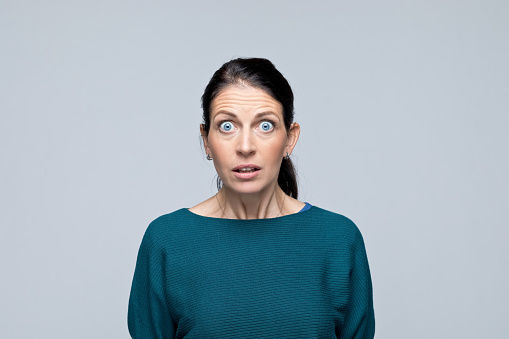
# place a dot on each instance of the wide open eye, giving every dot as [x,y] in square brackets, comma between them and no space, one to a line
[266,126]
[226,126]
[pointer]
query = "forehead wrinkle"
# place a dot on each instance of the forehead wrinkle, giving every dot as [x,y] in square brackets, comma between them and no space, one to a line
[238,95]
[248,100]
[233,115]
[231,106]
[231,112]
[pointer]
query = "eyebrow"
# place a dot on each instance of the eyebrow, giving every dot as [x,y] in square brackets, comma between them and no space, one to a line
[257,116]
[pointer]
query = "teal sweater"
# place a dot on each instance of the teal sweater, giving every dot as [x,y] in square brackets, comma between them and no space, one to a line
[303,275]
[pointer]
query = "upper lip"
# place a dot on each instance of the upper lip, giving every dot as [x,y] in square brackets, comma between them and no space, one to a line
[246,166]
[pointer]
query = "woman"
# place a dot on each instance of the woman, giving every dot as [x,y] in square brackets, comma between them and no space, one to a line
[252,261]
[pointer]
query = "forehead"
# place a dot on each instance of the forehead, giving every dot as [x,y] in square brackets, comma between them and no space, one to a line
[244,97]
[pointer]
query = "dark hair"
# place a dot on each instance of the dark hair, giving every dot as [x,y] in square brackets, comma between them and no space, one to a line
[262,74]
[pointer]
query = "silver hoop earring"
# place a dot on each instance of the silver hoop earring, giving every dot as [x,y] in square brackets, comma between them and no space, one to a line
[209,157]
[287,156]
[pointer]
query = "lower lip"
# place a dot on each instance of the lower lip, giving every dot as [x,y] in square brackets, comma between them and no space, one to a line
[246,175]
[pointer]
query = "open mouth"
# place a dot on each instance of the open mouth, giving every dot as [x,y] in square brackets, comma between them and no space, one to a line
[246,170]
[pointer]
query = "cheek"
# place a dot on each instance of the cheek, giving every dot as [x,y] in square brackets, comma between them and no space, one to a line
[274,151]
[221,153]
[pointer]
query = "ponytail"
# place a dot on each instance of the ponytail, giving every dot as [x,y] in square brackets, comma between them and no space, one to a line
[287,178]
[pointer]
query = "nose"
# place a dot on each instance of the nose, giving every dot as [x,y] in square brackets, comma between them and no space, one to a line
[245,143]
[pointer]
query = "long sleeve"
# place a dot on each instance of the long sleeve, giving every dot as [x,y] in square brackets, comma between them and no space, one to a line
[359,322]
[148,314]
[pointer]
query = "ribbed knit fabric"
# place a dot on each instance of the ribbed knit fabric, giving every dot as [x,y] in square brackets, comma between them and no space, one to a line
[303,275]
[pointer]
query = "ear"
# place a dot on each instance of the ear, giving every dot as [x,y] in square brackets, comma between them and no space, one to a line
[203,134]
[293,136]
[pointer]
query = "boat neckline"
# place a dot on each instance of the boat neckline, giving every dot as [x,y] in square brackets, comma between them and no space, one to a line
[293,215]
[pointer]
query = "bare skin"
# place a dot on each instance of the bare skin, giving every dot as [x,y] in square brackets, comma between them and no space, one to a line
[247,130]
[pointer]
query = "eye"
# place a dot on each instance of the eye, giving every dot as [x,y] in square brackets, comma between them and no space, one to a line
[266,126]
[226,126]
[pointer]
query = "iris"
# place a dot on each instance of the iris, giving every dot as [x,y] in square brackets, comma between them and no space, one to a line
[226,126]
[266,126]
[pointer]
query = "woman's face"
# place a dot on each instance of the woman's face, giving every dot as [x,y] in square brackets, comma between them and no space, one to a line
[247,139]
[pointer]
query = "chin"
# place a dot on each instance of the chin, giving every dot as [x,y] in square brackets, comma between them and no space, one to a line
[247,188]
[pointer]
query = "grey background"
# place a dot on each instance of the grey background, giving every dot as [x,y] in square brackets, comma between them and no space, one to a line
[404,113]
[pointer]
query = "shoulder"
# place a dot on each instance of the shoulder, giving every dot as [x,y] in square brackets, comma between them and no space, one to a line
[334,224]
[166,227]
[344,239]
[176,216]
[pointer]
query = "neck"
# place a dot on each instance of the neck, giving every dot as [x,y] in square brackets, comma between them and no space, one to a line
[260,205]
